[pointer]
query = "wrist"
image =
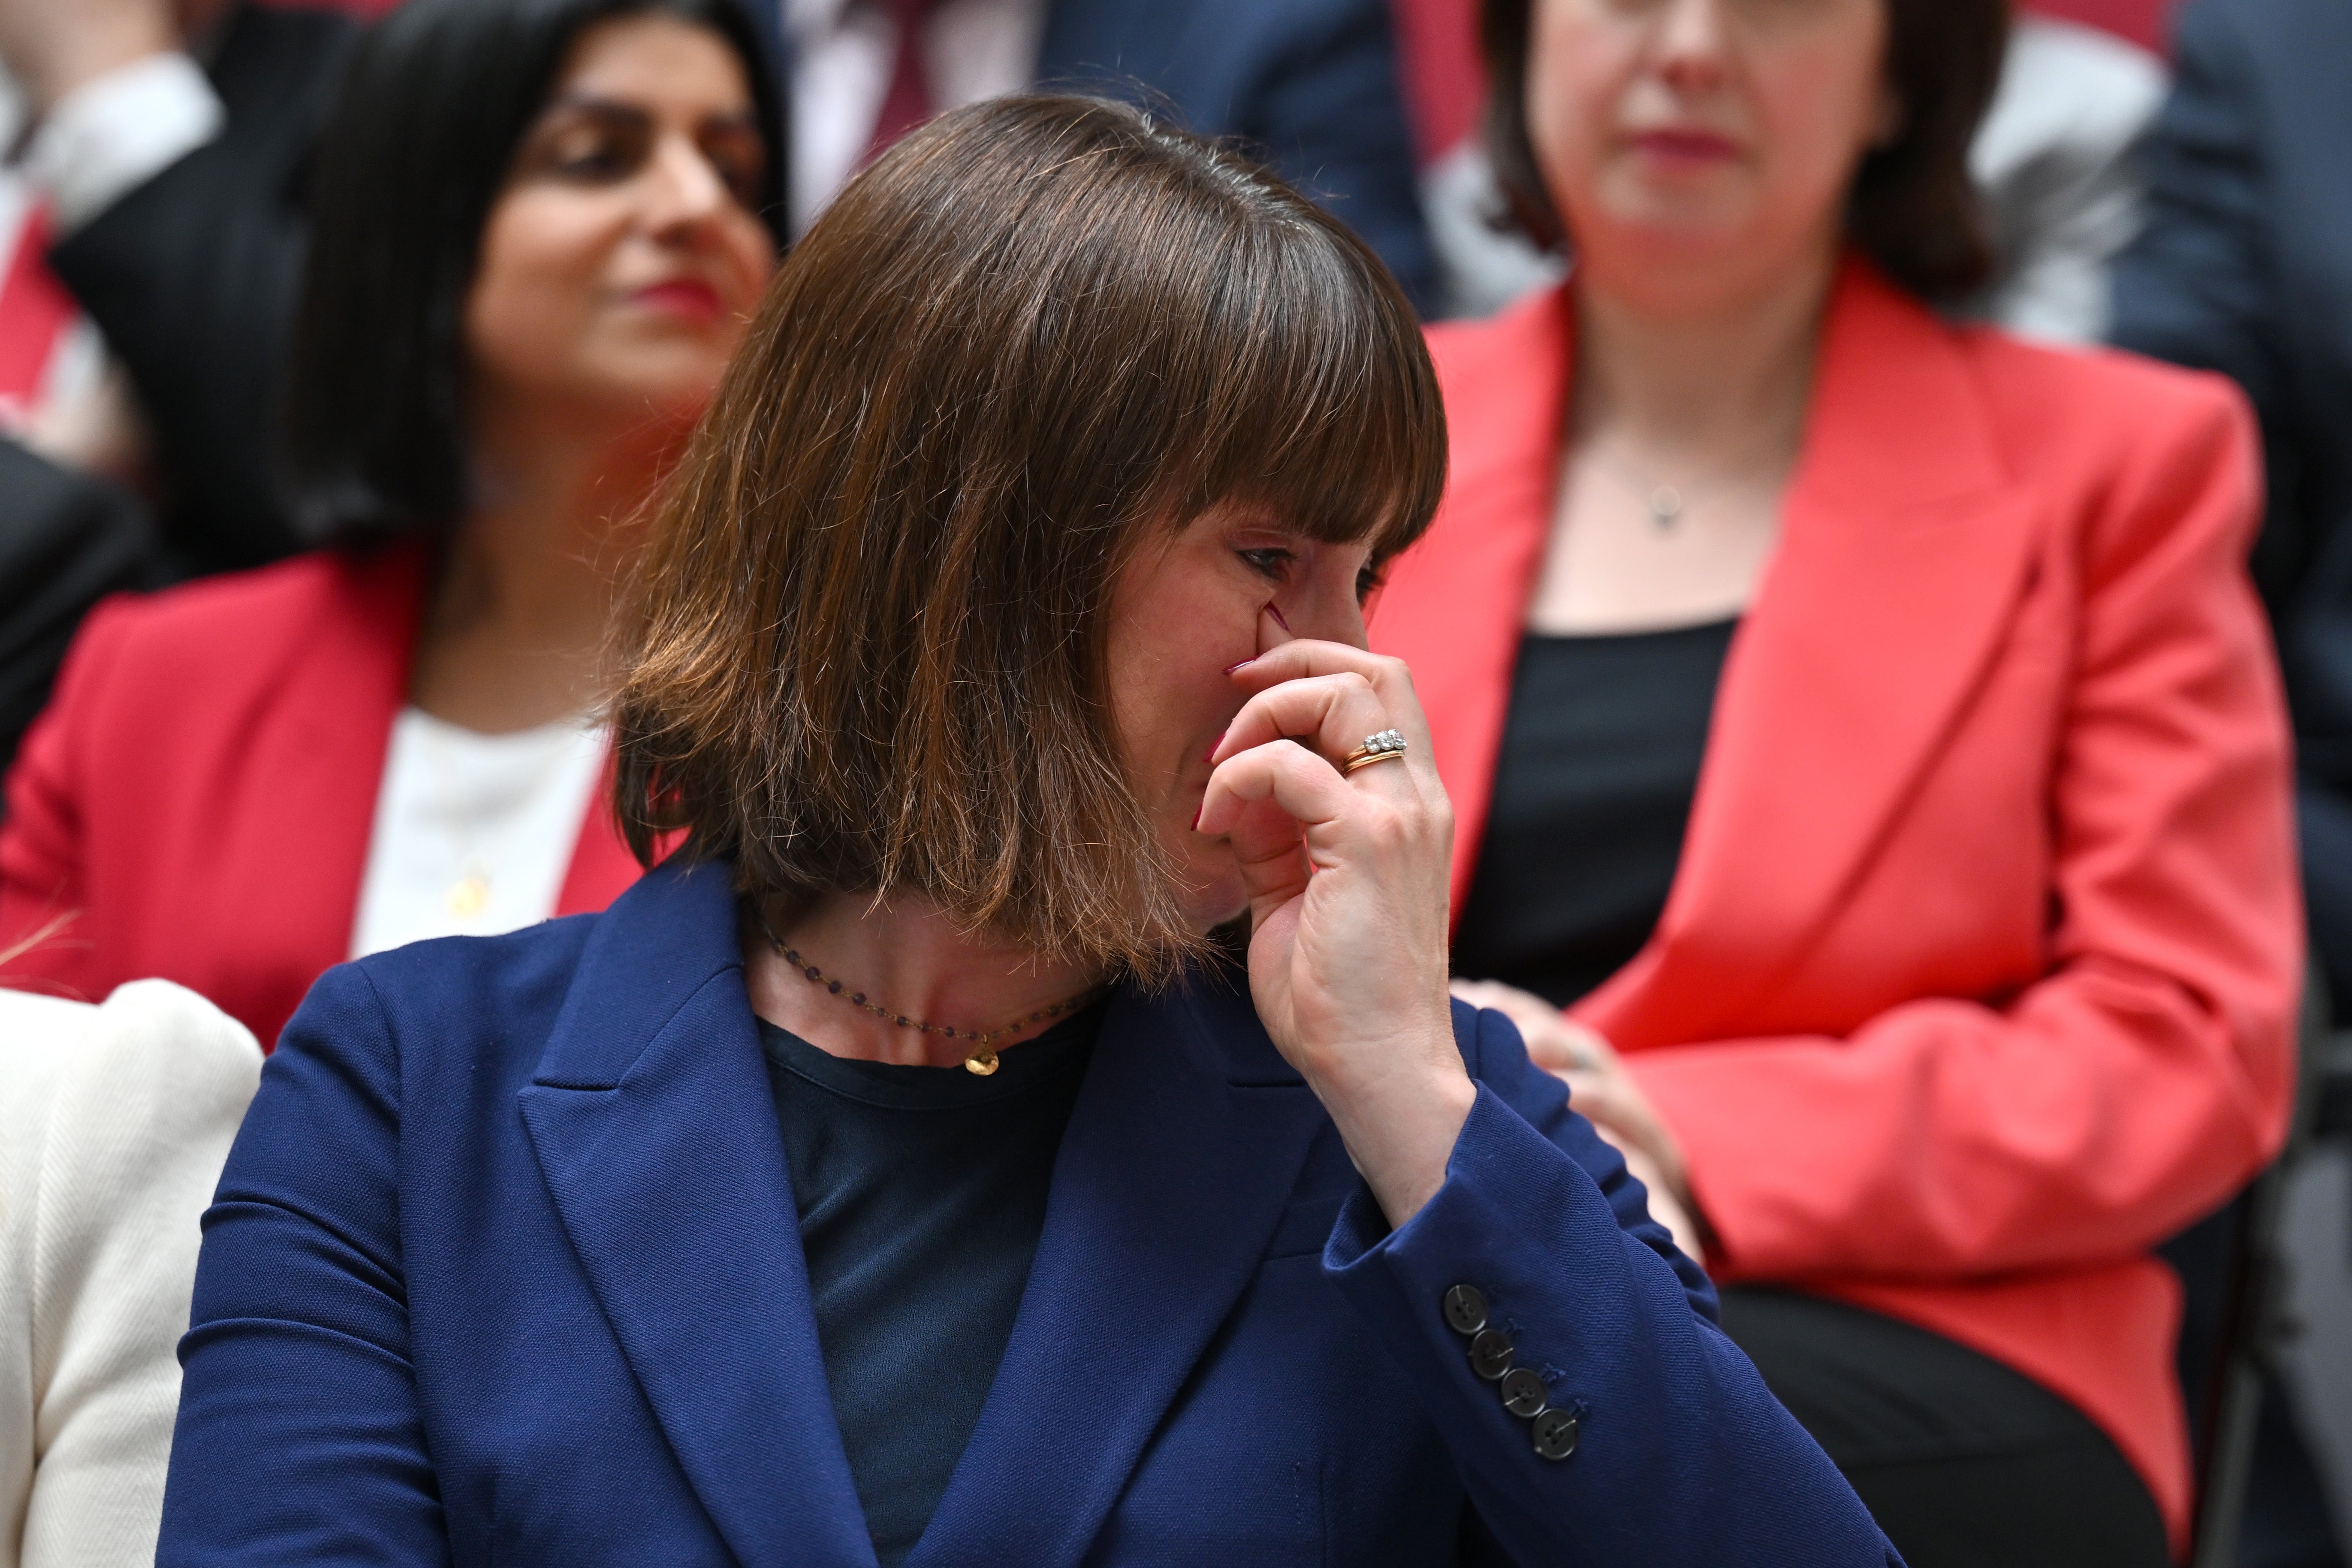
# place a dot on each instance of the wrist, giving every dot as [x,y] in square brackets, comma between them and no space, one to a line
[1400,1133]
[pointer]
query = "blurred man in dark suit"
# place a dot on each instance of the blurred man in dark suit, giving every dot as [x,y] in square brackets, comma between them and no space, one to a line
[170,140]
[66,541]
[2245,267]
[1311,85]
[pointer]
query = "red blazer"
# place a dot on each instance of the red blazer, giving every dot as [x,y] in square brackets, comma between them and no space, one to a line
[196,801]
[1979,973]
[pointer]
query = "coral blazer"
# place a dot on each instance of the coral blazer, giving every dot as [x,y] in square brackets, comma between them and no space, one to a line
[196,801]
[1979,973]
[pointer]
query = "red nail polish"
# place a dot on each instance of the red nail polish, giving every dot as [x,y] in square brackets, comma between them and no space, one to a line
[1244,663]
[1210,756]
[1196,818]
[1276,611]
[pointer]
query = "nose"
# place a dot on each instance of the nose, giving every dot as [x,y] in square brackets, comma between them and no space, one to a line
[1692,39]
[1324,617]
[684,194]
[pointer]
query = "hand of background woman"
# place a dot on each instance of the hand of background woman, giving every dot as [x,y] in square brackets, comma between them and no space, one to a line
[1347,875]
[1604,1092]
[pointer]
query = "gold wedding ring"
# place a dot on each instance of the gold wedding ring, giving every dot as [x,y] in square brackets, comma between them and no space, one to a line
[1381,748]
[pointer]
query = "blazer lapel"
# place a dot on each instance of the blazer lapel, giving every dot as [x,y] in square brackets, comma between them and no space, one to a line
[1181,1155]
[314,783]
[1902,558]
[651,1118]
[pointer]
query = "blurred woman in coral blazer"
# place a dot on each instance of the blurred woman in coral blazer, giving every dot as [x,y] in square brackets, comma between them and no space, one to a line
[1863,725]
[537,235]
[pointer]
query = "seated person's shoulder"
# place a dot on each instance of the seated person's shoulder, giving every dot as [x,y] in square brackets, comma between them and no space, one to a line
[1468,351]
[2099,415]
[234,606]
[462,1001]
[151,1068]
[204,636]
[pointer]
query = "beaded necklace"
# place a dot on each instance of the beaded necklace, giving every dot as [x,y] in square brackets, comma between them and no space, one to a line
[981,1060]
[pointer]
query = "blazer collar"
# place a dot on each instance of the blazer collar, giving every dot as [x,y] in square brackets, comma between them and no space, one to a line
[651,1120]
[341,684]
[1902,548]
[1903,554]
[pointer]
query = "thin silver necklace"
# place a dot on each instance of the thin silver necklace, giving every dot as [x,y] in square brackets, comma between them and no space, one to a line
[1666,502]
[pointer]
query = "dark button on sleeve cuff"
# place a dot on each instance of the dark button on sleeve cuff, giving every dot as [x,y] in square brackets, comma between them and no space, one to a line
[1465,1309]
[1555,1435]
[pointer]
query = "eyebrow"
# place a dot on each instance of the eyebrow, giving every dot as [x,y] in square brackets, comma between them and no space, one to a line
[621,109]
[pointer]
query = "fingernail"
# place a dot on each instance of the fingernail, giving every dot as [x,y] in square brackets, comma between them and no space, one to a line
[1276,611]
[1244,664]
[1196,817]
[1210,756]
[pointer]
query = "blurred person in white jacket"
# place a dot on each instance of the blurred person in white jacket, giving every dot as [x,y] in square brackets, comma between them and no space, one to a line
[114,1124]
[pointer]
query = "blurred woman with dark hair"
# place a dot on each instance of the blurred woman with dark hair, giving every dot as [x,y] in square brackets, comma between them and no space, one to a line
[902,1170]
[1863,727]
[539,229]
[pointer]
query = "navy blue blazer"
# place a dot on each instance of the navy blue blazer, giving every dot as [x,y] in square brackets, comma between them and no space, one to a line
[1311,84]
[504,1269]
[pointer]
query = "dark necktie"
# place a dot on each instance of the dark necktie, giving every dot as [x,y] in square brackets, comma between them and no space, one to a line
[908,103]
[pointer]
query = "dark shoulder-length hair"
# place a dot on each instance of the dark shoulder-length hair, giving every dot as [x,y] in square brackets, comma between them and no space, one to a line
[863,651]
[432,109]
[1912,208]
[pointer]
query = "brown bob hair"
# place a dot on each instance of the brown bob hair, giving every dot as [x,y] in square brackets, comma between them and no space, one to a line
[1912,208]
[863,651]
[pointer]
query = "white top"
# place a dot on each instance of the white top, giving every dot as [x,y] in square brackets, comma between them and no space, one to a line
[114,1122]
[473,833]
[116,132]
[843,51]
[2056,162]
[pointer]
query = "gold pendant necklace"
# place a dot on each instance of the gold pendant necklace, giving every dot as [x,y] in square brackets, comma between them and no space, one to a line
[469,893]
[981,1060]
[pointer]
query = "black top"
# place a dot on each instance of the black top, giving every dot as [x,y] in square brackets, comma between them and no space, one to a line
[1592,790]
[921,1194]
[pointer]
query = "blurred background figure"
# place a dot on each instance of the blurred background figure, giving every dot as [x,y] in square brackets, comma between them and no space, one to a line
[67,539]
[163,180]
[2245,267]
[537,231]
[2079,83]
[1311,85]
[1865,725]
[157,210]
[114,1124]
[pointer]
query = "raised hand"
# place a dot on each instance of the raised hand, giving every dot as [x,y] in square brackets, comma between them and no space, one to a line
[1347,874]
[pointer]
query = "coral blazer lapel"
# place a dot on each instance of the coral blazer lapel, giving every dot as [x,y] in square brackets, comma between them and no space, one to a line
[655,1127]
[340,693]
[1181,1155]
[1902,556]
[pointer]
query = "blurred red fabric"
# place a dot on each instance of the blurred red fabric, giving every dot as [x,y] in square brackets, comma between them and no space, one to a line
[35,313]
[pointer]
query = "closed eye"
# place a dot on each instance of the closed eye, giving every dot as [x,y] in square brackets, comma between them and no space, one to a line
[1272,564]
[1368,582]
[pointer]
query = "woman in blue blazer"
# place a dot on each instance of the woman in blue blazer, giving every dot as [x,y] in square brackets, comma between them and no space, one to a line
[1022,1121]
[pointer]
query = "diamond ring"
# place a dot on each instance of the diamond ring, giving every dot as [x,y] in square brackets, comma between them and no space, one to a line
[1379,748]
